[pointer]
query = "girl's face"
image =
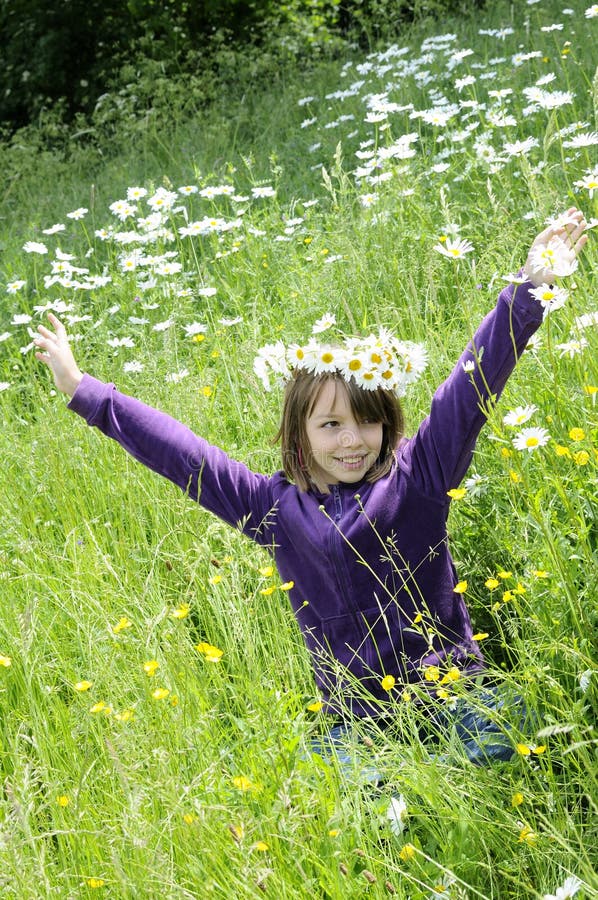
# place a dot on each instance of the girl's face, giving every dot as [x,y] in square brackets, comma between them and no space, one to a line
[342,448]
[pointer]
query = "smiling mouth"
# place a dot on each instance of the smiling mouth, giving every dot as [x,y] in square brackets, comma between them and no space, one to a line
[351,460]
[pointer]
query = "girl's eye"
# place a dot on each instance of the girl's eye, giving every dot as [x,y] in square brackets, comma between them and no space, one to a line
[332,424]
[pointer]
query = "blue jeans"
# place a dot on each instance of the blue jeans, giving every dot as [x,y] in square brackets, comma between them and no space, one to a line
[475,729]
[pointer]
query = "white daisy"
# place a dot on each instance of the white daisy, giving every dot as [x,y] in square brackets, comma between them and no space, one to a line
[572,348]
[589,182]
[530,439]
[324,323]
[397,814]
[520,415]
[550,297]
[133,366]
[34,247]
[195,328]
[264,191]
[136,193]
[175,377]
[454,249]
[13,286]
[572,884]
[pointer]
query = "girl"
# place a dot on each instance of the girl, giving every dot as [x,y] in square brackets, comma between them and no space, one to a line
[357,518]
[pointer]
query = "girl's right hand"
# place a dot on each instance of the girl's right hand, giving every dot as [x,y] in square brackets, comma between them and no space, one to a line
[57,355]
[555,250]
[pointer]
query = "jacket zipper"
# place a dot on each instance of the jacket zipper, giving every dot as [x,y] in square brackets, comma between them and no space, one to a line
[338,503]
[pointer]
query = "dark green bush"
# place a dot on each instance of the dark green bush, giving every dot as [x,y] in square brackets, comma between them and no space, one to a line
[73,51]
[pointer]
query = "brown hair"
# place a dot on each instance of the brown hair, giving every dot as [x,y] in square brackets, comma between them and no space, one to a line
[301,395]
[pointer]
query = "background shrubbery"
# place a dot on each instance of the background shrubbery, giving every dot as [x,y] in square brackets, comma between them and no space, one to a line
[70,53]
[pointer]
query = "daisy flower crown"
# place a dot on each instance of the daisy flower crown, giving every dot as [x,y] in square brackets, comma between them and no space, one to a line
[372,362]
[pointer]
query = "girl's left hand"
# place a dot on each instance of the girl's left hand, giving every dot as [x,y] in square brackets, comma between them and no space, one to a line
[555,250]
[54,350]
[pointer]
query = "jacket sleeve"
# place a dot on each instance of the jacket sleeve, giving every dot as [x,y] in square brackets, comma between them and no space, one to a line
[438,456]
[228,489]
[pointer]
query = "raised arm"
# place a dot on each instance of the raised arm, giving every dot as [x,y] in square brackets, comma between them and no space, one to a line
[227,488]
[55,351]
[440,453]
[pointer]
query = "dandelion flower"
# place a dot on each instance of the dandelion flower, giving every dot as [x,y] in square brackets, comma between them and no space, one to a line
[62,800]
[261,846]
[457,493]
[388,682]
[151,666]
[122,624]
[527,836]
[160,693]
[209,652]
[407,853]
[432,673]
[5,661]
[242,783]
[316,706]
[82,685]
[181,612]
[577,434]
[460,587]
[530,439]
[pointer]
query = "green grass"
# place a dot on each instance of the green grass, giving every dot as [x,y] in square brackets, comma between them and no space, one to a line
[206,792]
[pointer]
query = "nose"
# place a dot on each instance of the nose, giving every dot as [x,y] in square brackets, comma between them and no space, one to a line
[349,437]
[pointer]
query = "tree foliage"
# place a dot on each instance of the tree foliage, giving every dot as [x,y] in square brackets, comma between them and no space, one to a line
[69,52]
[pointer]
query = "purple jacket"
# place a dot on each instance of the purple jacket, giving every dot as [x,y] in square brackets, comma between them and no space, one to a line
[373,575]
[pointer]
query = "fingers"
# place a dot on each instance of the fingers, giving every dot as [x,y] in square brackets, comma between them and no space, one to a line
[46,333]
[48,340]
[57,324]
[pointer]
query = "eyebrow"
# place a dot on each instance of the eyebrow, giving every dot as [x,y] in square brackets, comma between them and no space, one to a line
[333,414]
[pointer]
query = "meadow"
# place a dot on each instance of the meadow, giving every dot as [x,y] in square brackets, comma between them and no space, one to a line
[156,700]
